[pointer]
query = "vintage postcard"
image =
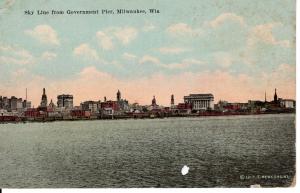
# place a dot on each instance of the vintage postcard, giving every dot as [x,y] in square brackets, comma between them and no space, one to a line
[140,94]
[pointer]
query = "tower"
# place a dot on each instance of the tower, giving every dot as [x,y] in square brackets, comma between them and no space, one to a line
[153,101]
[118,95]
[265,96]
[44,101]
[275,96]
[172,100]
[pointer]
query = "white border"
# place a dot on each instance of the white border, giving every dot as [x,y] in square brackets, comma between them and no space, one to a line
[209,190]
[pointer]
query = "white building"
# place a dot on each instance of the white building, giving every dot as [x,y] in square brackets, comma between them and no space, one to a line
[287,103]
[200,101]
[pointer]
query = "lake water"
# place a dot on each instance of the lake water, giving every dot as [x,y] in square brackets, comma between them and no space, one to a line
[234,151]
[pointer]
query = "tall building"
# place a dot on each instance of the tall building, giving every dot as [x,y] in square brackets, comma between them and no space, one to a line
[44,101]
[200,101]
[13,103]
[26,104]
[65,100]
[118,95]
[122,103]
[6,103]
[172,100]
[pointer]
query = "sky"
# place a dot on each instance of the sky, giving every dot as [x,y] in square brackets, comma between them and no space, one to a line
[235,49]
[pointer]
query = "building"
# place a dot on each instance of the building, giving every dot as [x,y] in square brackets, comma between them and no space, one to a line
[172,101]
[118,95]
[109,107]
[79,114]
[92,106]
[13,103]
[153,102]
[288,103]
[123,103]
[65,100]
[19,104]
[200,101]
[184,108]
[26,104]
[44,101]
[6,103]
[1,102]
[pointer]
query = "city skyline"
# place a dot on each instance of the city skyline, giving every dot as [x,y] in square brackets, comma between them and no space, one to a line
[218,50]
[46,101]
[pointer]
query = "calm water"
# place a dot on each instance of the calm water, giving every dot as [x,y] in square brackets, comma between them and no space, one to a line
[220,151]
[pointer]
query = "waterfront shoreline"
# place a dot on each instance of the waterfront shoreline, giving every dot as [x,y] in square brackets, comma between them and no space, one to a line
[18,120]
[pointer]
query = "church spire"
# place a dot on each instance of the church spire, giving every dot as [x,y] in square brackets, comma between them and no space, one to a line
[153,101]
[275,96]
[44,101]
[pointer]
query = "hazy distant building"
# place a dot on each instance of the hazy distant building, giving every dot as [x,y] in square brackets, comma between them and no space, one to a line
[19,104]
[275,97]
[109,107]
[26,104]
[1,102]
[172,101]
[153,103]
[200,101]
[92,106]
[13,103]
[6,103]
[118,95]
[288,103]
[122,103]
[65,100]
[44,101]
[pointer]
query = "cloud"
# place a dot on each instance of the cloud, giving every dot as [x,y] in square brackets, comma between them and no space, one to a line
[223,59]
[183,29]
[225,17]
[179,29]
[172,50]
[15,55]
[44,34]
[125,34]
[193,61]
[86,51]
[105,40]
[48,56]
[7,5]
[263,33]
[149,59]
[185,63]
[149,27]
[128,56]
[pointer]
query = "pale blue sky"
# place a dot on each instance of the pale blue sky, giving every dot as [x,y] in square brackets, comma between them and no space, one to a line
[239,37]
